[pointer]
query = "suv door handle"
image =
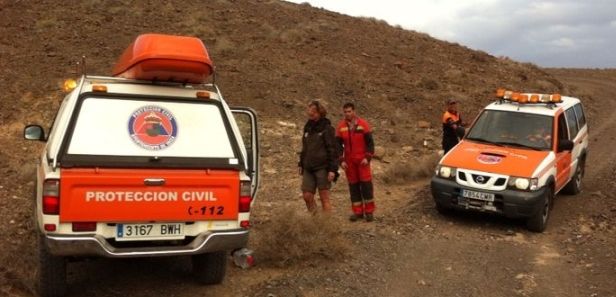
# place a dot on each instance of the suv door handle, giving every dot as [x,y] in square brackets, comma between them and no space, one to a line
[154,181]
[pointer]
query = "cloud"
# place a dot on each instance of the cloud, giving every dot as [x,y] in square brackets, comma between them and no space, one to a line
[565,33]
[563,42]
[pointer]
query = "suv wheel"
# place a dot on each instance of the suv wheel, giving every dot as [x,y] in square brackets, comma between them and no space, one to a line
[210,268]
[575,184]
[52,273]
[444,210]
[539,221]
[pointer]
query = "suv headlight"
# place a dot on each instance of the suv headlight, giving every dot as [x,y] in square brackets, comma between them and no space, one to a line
[446,172]
[522,183]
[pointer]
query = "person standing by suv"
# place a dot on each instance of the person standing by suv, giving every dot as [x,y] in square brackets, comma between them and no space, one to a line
[354,136]
[318,162]
[452,123]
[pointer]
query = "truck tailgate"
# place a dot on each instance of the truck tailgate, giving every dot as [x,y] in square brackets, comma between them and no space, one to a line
[144,195]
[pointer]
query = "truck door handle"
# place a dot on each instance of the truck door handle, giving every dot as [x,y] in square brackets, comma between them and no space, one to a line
[154,181]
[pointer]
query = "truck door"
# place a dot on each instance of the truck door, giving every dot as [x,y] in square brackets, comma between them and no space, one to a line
[563,158]
[246,119]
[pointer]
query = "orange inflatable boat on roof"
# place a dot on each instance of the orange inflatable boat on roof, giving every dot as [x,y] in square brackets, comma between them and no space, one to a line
[159,57]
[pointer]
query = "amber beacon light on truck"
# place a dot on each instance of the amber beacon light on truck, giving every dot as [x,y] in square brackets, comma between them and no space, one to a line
[527,98]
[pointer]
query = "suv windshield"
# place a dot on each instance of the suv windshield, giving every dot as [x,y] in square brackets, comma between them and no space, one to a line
[518,129]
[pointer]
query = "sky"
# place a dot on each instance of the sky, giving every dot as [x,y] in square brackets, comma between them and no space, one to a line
[565,33]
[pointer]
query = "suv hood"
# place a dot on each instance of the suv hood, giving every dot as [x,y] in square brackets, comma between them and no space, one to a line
[494,159]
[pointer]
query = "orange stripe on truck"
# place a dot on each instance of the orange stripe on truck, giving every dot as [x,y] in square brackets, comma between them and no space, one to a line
[129,195]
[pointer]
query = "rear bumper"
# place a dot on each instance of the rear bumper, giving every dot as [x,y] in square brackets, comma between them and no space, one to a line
[96,245]
[511,203]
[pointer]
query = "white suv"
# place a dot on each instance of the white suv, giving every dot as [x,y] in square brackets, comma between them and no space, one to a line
[519,153]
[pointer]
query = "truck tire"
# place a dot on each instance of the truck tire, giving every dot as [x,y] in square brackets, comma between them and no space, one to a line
[539,221]
[574,186]
[443,210]
[210,268]
[51,274]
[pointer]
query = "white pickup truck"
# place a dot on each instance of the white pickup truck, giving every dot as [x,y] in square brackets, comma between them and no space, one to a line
[148,162]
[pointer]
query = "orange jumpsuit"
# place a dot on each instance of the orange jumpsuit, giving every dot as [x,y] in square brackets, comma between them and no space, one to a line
[355,139]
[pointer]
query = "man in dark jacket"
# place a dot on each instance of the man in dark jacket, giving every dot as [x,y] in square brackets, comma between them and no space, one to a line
[318,162]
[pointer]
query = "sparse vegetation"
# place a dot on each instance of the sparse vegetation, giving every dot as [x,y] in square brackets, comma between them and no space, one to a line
[421,167]
[296,236]
[428,84]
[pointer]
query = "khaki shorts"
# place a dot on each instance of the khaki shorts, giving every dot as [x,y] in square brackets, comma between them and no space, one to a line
[316,179]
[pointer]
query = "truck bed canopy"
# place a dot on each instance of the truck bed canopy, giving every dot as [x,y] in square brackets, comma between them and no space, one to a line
[159,57]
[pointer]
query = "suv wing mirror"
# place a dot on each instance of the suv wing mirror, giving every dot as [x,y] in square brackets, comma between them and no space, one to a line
[565,145]
[34,132]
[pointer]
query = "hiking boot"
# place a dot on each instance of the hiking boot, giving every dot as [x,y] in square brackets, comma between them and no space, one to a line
[355,217]
[369,217]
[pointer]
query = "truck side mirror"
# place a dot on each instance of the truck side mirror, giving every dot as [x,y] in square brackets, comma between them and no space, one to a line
[565,145]
[34,132]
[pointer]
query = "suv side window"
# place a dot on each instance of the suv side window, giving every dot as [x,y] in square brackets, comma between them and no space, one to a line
[562,127]
[579,112]
[571,123]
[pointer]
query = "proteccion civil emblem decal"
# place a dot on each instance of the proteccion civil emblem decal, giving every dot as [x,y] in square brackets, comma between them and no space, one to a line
[152,127]
[489,159]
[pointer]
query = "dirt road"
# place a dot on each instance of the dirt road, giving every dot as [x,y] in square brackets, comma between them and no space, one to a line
[411,250]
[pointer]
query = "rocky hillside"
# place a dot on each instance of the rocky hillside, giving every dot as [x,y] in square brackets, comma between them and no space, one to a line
[273,56]
[270,55]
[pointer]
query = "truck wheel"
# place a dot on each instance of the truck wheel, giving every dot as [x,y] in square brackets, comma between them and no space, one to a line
[444,210]
[210,268]
[539,221]
[52,273]
[575,184]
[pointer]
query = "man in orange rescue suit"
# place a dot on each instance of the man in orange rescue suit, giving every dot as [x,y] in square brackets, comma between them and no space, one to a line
[355,138]
[452,126]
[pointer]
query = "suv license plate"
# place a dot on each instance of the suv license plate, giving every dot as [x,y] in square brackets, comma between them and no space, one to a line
[169,231]
[477,195]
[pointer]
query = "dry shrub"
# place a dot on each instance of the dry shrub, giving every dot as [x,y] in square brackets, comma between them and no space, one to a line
[224,45]
[293,237]
[481,57]
[26,172]
[408,171]
[294,35]
[428,84]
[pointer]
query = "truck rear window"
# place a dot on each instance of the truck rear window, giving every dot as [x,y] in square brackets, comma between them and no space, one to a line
[137,132]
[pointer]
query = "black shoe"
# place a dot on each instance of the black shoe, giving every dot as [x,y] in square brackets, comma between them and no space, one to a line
[369,217]
[355,217]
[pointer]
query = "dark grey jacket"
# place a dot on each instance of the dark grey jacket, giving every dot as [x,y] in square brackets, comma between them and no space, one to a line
[319,148]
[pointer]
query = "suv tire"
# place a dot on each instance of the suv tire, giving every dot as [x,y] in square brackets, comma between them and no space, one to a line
[210,268]
[444,210]
[539,221]
[575,184]
[52,272]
